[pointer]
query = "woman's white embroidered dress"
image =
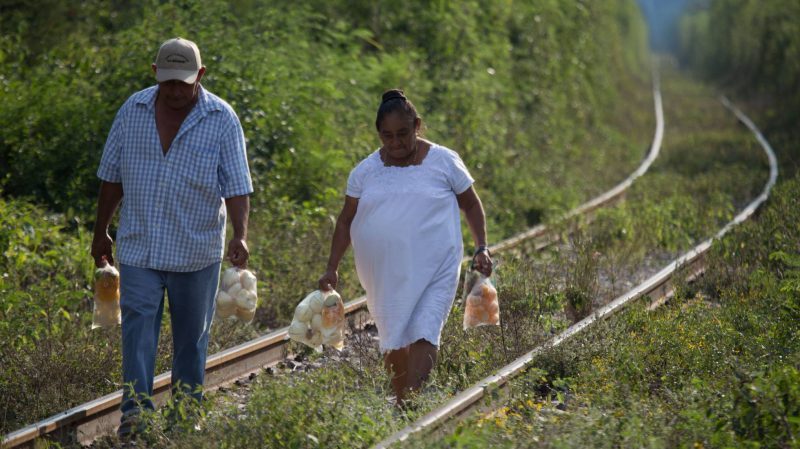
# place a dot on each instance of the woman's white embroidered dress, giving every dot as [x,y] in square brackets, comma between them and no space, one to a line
[406,237]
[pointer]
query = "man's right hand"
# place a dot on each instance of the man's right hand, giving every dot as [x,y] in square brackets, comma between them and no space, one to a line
[107,201]
[101,248]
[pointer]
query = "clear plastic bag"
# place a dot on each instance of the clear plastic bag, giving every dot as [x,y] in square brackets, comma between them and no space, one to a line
[319,320]
[481,306]
[237,298]
[106,312]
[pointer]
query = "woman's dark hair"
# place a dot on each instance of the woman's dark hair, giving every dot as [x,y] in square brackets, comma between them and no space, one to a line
[394,100]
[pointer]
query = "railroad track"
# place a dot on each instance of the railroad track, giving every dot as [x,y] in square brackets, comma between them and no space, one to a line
[88,421]
[658,288]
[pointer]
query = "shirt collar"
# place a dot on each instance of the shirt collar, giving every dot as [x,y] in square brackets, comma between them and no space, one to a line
[204,102]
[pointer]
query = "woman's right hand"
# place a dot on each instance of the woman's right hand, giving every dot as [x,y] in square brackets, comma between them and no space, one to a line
[329,280]
[339,243]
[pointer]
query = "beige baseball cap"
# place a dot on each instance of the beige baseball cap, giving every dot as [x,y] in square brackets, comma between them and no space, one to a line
[178,59]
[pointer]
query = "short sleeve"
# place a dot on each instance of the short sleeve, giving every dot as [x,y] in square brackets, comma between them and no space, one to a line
[109,169]
[457,174]
[234,174]
[355,182]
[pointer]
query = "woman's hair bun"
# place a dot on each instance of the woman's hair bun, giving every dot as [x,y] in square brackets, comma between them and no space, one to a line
[388,106]
[392,94]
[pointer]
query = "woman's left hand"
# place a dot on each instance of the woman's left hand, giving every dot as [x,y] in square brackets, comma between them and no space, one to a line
[483,263]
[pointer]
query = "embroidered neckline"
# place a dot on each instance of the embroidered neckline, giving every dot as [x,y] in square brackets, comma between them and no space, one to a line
[419,164]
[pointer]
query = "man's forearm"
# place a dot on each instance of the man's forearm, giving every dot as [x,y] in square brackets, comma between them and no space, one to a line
[107,202]
[239,211]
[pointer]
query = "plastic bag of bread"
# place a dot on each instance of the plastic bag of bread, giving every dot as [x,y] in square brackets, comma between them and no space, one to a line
[319,320]
[106,312]
[481,306]
[237,297]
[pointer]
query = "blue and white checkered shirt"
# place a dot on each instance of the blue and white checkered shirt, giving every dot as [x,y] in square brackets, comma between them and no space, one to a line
[173,214]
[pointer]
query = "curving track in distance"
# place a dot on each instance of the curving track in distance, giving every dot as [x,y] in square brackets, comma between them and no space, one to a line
[86,422]
[658,288]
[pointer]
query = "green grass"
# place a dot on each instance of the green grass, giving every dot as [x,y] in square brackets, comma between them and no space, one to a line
[718,366]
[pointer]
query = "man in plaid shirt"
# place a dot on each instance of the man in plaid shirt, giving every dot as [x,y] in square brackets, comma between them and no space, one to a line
[175,160]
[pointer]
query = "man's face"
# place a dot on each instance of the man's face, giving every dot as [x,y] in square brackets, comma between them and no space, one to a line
[177,94]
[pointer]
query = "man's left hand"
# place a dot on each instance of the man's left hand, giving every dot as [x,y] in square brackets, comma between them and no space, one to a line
[238,253]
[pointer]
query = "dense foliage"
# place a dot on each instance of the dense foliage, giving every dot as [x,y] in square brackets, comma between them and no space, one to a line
[494,80]
[547,102]
[752,48]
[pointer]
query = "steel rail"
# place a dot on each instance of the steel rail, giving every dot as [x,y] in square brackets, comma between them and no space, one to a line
[85,422]
[658,286]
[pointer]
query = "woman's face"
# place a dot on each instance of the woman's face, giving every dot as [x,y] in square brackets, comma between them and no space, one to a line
[398,135]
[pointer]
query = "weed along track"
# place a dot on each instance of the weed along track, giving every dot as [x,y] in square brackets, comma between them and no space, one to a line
[85,423]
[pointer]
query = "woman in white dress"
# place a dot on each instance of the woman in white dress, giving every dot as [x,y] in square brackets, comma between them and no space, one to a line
[401,214]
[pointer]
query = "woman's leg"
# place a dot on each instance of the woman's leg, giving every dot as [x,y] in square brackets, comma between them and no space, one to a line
[410,367]
[421,358]
[396,362]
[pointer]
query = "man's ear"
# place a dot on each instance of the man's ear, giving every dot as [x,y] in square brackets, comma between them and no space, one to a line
[200,74]
[153,66]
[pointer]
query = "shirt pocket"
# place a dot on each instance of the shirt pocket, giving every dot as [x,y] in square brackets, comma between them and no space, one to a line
[197,169]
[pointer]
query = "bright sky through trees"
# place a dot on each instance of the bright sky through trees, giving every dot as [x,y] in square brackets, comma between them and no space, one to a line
[662,17]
